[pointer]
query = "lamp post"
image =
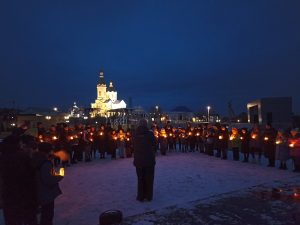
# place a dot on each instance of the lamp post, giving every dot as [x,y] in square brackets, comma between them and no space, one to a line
[208,108]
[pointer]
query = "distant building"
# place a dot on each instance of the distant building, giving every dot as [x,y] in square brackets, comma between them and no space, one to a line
[107,98]
[180,115]
[277,111]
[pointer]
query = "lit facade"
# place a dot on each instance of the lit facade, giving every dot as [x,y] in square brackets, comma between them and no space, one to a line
[107,98]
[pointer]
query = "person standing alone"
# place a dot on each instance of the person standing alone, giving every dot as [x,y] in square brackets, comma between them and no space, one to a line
[144,160]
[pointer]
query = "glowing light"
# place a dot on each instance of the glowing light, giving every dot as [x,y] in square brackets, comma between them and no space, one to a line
[54,138]
[220,137]
[55,109]
[48,117]
[292,145]
[278,142]
[266,138]
[253,136]
[62,172]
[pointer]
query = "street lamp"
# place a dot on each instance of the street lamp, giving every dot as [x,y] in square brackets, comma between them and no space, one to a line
[208,108]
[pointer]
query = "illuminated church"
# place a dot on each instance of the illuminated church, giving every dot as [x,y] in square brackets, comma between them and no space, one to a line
[107,98]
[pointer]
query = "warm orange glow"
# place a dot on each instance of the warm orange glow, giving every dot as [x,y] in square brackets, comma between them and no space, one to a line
[278,142]
[71,137]
[170,135]
[115,138]
[62,172]
[296,195]
[220,137]
[128,139]
[231,137]
[266,138]
[91,133]
[54,138]
[242,138]
[190,133]
[292,145]
[91,139]
[101,133]
[198,134]
[254,136]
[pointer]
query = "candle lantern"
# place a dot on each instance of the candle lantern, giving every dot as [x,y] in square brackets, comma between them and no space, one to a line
[62,172]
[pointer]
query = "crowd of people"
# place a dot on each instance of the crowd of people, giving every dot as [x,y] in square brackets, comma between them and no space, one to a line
[28,163]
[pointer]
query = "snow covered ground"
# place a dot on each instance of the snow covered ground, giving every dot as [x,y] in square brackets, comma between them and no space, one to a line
[91,188]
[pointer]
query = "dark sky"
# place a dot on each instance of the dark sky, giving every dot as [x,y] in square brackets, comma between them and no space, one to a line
[193,53]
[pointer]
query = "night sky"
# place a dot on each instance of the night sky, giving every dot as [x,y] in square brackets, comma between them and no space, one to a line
[170,53]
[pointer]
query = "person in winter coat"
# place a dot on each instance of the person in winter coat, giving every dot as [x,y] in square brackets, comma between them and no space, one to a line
[46,182]
[18,187]
[144,160]
[222,142]
[163,142]
[282,149]
[101,141]
[235,143]
[245,144]
[269,145]
[255,143]
[294,145]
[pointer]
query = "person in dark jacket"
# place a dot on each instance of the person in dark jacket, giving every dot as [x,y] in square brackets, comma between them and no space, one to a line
[245,144]
[46,182]
[19,203]
[269,144]
[144,160]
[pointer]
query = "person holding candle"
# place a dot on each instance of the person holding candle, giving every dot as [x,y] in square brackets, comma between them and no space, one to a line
[282,149]
[121,142]
[255,143]
[101,141]
[222,142]
[235,143]
[269,145]
[245,144]
[47,182]
[163,141]
[144,160]
[294,146]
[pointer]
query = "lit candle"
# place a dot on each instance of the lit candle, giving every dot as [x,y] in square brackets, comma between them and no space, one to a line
[54,138]
[253,136]
[292,145]
[278,142]
[231,137]
[242,138]
[198,134]
[62,172]
[266,138]
[220,137]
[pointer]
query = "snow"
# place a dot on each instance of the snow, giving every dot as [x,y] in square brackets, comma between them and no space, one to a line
[92,188]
